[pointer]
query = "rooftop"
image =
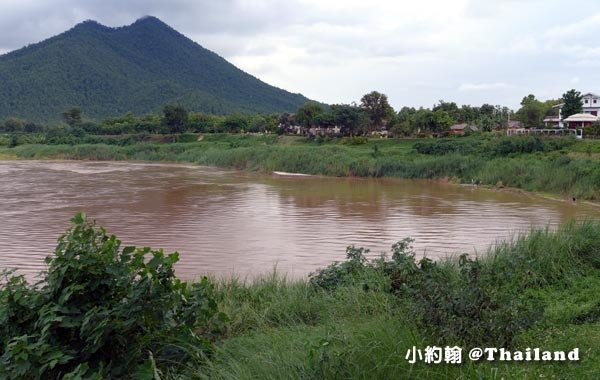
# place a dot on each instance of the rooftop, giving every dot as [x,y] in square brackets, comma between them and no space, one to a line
[581,117]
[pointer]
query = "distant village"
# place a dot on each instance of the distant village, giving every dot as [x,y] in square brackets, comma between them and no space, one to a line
[551,118]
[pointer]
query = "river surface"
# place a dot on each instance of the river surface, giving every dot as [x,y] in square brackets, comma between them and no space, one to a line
[227,223]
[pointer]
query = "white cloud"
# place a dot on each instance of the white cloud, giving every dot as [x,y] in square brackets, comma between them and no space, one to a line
[484,86]
[575,29]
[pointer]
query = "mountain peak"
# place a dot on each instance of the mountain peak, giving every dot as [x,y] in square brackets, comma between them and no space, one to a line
[140,67]
[90,24]
[150,20]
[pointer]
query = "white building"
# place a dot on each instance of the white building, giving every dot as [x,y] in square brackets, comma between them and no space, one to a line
[590,105]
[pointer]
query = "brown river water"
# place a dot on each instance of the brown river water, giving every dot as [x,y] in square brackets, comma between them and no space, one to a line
[227,223]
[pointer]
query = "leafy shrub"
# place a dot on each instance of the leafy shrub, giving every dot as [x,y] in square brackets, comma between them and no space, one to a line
[471,308]
[104,312]
[338,274]
[467,305]
[507,145]
[497,147]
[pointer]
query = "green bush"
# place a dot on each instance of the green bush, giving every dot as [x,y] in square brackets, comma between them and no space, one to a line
[104,312]
[467,306]
[470,308]
[339,274]
[496,147]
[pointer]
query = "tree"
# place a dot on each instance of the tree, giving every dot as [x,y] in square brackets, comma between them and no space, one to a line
[532,112]
[572,103]
[31,127]
[175,118]
[286,122]
[202,122]
[72,117]
[405,114]
[325,120]
[307,114]
[12,125]
[429,121]
[468,114]
[262,123]
[441,121]
[377,106]
[485,123]
[450,107]
[235,123]
[350,118]
[487,110]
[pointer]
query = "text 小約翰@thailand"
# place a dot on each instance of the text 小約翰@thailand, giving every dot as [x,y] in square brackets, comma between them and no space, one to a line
[454,355]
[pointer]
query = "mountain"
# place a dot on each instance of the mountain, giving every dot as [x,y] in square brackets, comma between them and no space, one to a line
[137,68]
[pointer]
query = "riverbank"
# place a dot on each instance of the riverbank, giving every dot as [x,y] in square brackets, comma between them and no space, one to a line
[562,167]
[352,320]
[351,326]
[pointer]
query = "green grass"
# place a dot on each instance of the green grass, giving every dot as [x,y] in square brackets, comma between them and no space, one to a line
[283,329]
[562,168]
[6,154]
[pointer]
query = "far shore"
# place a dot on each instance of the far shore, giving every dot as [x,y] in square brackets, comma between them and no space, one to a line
[451,181]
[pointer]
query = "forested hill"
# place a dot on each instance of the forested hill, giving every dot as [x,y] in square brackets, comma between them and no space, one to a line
[138,68]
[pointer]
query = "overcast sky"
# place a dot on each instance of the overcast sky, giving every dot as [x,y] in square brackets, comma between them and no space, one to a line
[417,52]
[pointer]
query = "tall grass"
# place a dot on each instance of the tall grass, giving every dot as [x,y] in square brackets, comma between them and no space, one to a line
[290,329]
[554,167]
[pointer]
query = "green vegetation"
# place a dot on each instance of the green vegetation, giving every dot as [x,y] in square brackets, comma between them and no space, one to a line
[358,319]
[573,103]
[559,166]
[533,111]
[104,311]
[137,68]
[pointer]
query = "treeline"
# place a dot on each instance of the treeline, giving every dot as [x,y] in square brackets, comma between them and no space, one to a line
[175,119]
[373,114]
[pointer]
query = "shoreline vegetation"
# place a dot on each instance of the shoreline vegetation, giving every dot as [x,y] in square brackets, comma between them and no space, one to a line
[555,167]
[353,319]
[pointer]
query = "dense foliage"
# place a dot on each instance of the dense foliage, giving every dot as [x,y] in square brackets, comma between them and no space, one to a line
[573,103]
[467,306]
[175,120]
[138,68]
[501,146]
[103,311]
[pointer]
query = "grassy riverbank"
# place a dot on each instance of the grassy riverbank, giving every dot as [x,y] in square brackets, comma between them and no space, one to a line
[358,329]
[352,320]
[562,167]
